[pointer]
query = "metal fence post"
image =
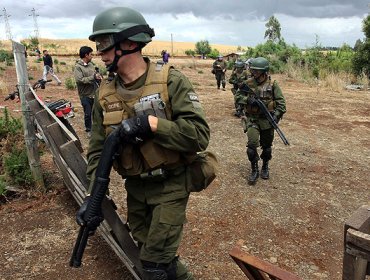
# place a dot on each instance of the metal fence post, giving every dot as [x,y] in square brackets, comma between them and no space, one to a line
[29,129]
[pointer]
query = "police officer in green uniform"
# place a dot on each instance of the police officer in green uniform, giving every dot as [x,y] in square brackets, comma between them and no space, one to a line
[219,69]
[237,77]
[166,124]
[258,129]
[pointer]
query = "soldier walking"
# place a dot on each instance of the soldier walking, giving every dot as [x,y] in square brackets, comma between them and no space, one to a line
[219,70]
[237,77]
[164,123]
[259,130]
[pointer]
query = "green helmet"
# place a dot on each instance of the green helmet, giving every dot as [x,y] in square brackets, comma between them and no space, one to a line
[239,64]
[260,63]
[118,24]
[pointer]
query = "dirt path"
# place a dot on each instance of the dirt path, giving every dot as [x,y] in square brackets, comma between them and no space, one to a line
[294,220]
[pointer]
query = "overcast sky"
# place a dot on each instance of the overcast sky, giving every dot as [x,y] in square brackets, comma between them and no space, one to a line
[229,22]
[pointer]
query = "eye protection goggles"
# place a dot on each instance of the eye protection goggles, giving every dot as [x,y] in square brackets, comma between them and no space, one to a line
[104,43]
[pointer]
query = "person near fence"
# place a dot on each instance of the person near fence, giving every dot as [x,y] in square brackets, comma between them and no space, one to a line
[219,69]
[256,125]
[48,67]
[87,80]
[165,56]
[165,123]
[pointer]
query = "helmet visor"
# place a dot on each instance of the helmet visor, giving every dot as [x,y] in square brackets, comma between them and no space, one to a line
[104,42]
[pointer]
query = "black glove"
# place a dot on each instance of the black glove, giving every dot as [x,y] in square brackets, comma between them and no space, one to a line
[94,221]
[136,129]
[276,118]
[81,212]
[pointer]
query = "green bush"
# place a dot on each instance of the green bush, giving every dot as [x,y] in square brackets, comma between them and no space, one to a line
[71,83]
[9,125]
[17,168]
[6,56]
[190,52]
[63,63]
[230,64]
[2,185]
[214,54]
[56,61]
[13,155]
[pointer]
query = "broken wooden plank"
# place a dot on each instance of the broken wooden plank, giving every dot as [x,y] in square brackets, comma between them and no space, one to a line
[256,266]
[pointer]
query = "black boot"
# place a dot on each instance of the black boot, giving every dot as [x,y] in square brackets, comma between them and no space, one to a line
[156,271]
[265,170]
[252,179]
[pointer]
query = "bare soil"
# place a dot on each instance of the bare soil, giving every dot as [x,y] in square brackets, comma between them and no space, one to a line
[294,220]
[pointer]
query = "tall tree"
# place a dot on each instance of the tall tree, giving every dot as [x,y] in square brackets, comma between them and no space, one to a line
[360,62]
[203,48]
[357,45]
[273,30]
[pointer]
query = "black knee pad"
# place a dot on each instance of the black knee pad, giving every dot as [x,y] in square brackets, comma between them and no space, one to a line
[252,154]
[266,153]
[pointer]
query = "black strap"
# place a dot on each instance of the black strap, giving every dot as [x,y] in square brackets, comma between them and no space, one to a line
[125,34]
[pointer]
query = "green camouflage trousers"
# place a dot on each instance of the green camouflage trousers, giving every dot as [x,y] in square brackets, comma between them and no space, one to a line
[259,137]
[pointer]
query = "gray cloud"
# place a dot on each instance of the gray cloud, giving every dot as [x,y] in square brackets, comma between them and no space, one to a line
[234,9]
[236,22]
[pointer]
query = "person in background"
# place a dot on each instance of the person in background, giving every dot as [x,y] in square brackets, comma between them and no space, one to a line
[219,70]
[164,124]
[259,130]
[237,77]
[165,56]
[48,67]
[87,80]
[38,53]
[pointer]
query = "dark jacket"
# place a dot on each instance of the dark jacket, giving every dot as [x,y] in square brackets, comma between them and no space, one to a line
[48,61]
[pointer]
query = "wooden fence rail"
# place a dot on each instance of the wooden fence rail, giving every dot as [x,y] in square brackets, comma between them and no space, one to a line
[66,150]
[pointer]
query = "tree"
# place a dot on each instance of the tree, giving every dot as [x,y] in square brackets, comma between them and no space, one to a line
[203,48]
[273,29]
[357,45]
[34,42]
[360,61]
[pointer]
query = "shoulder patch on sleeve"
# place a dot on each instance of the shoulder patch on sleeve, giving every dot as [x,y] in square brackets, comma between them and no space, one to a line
[193,96]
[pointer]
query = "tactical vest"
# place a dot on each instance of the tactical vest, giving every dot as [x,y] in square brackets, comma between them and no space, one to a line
[265,92]
[118,104]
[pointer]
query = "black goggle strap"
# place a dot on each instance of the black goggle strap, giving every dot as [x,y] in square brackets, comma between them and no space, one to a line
[127,33]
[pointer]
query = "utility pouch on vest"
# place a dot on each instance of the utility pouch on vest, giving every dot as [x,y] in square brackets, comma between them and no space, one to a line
[151,105]
[201,171]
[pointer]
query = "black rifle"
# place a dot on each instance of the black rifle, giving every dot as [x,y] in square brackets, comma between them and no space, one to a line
[93,215]
[39,84]
[265,111]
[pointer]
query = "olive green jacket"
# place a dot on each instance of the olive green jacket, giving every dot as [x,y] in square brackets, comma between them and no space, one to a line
[242,97]
[187,132]
[237,78]
[219,65]
[85,79]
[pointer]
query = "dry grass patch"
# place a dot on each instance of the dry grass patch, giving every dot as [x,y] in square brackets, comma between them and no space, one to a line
[72,46]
